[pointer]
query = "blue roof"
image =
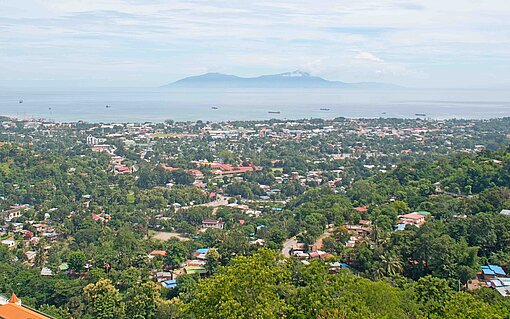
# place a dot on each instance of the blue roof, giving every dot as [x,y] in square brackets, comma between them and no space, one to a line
[344,265]
[497,270]
[202,250]
[487,271]
[171,283]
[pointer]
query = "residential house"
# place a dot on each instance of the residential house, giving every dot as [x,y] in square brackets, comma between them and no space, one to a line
[11,214]
[163,276]
[45,271]
[412,219]
[169,284]
[495,277]
[192,270]
[490,272]
[213,223]
[30,256]
[155,253]
[11,244]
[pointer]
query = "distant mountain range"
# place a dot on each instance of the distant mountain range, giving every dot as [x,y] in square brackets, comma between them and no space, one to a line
[296,79]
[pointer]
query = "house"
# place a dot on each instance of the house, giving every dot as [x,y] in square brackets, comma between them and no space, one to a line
[196,173]
[505,212]
[412,219]
[196,262]
[201,253]
[63,267]
[191,270]
[155,253]
[213,223]
[121,169]
[30,256]
[11,214]
[13,309]
[45,271]
[163,276]
[490,272]
[170,283]
[495,277]
[17,227]
[359,230]
[11,244]
[27,235]
[336,266]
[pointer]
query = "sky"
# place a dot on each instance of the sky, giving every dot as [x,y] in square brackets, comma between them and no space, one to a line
[415,43]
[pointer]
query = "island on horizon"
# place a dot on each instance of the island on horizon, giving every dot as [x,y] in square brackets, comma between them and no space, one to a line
[295,79]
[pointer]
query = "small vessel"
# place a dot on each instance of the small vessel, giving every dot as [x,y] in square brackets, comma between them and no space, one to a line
[420,114]
[383,112]
[274,112]
[324,109]
[214,107]
[20,101]
[108,106]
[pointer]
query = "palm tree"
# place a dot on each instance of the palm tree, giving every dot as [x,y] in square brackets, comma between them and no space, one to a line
[392,264]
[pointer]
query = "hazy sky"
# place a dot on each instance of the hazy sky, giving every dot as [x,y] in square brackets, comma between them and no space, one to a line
[430,43]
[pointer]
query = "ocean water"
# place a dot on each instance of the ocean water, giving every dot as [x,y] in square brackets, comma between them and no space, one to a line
[159,104]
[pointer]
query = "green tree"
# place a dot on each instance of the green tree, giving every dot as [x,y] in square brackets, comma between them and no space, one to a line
[213,260]
[249,288]
[141,301]
[103,300]
[56,312]
[76,261]
[464,306]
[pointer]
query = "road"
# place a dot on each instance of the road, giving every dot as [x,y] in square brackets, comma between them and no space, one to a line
[287,246]
[220,201]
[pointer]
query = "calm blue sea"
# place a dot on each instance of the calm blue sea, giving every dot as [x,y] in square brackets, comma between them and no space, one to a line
[159,104]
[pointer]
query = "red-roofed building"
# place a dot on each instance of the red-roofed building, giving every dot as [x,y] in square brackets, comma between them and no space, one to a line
[412,219]
[169,168]
[196,173]
[13,309]
[155,253]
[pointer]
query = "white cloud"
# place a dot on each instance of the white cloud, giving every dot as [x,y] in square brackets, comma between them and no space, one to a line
[397,40]
[367,56]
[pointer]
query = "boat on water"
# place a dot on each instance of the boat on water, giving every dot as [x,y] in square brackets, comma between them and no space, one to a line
[324,109]
[20,101]
[420,114]
[274,112]
[108,106]
[214,107]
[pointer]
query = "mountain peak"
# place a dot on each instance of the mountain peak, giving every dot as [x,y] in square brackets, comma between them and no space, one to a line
[296,74]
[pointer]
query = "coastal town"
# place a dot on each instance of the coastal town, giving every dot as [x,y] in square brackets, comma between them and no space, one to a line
[184,198]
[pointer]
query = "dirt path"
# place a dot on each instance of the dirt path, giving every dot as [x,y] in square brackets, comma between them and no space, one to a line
[318,243]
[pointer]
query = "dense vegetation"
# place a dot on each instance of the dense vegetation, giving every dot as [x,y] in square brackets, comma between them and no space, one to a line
[414,273]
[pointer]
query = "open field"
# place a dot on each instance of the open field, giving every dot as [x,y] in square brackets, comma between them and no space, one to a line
[165,236]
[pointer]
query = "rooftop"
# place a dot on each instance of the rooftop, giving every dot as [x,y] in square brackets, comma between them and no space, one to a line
[13,309]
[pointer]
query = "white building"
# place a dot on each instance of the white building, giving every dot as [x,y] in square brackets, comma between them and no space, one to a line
[91,140]
[212,223]
[9,243]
